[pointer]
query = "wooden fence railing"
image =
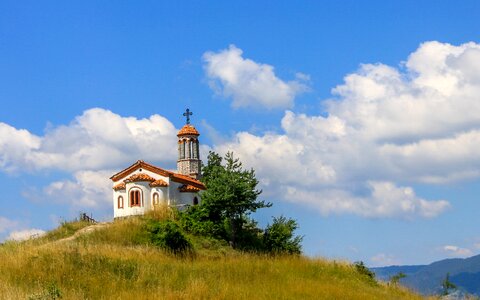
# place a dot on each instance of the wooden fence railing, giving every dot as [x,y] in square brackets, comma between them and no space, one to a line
[86,218]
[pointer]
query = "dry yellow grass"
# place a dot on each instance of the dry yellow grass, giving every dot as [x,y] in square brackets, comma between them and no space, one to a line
[108,265]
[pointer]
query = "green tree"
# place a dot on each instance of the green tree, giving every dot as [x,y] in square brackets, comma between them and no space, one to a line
[447,285]
[278,237]
[231,193]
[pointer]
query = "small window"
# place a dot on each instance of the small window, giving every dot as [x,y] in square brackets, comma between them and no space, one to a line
[155,199]
[195,201]
[135,198]
[120,202]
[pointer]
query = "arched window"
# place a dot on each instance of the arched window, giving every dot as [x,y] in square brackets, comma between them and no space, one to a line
[195,201]
[120,202]
[155,199]
[135,198]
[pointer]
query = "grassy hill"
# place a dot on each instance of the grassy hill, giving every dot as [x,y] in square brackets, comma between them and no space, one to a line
[115,261]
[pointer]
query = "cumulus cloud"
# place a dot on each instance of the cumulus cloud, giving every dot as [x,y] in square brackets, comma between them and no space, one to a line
[87,189]
[385,129]
[97,140]
[22,235]
[384,200]
[91,148]
[248,83]
[457,251]
[16,145]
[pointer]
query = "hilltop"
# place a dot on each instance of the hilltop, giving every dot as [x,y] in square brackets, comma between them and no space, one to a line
[117,261]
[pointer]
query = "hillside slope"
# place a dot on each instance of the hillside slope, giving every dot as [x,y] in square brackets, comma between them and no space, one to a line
[114,262]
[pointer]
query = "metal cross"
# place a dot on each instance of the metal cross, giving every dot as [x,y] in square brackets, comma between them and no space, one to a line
[187,114]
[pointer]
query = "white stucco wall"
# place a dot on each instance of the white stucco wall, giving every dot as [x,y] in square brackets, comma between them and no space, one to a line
[162,195]
[116,211]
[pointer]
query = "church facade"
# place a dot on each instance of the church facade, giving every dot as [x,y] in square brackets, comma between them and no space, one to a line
[142,186]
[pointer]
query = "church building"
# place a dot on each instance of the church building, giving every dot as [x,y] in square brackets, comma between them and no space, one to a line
[142,186]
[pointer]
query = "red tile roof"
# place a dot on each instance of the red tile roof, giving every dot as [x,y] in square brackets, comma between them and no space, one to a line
[173,176]
[139,177]
[159,183]
[120,186]
[188,130]
[186,188]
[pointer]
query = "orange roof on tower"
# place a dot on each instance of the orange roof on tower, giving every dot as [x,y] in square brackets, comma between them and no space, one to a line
[188,130]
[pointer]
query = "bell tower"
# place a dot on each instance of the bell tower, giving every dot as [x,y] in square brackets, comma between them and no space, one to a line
[189,162]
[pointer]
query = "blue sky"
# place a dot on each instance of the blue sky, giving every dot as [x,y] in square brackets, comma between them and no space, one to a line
[361,118]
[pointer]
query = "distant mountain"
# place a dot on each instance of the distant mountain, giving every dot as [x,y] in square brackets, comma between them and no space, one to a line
[426,279]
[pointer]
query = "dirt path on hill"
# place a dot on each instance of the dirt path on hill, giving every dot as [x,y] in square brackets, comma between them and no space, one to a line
[84,230]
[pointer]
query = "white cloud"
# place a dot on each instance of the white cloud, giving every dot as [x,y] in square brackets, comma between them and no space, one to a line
[22,235]
[386,129]
[384,200]
[382,259]
[457,251]
[96,140]
[91,148]
[16,145]
[89,189]
[248,83]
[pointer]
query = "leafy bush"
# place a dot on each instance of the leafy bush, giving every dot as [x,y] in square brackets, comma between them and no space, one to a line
[168,235]
[363,270]
[278,237]
[250,238]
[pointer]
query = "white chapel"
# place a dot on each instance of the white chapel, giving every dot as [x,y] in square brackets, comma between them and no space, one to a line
[142,186]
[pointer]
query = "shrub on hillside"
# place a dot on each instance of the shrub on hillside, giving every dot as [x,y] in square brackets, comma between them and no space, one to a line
[250,238]
[364,271]
[168,235]
[278,237]
[196,220]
